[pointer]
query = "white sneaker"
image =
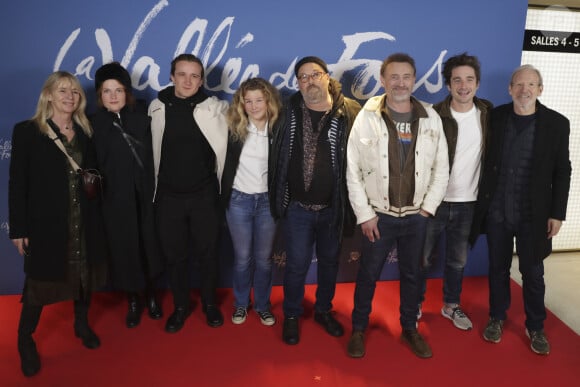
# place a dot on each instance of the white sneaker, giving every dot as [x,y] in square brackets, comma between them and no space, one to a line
[459,318]
[267,318]
[239,316]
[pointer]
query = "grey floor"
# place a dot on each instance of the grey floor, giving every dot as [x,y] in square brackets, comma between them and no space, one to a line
[562,278]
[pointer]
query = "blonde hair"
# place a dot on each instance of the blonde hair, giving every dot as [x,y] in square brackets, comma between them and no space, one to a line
[45,111]
[237,117]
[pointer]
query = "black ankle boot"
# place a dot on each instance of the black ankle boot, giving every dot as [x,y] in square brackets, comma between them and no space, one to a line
[134,312]
[81,325]
[154,307]
[29,359]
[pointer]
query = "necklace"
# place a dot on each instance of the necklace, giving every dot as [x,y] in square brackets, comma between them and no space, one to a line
[68,126]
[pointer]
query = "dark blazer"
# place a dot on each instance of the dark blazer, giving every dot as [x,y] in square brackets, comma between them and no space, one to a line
[551,170]
[128,197]
[38,202]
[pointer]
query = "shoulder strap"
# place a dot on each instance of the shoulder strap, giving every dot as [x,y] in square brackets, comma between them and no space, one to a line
[129,139]
[52,135]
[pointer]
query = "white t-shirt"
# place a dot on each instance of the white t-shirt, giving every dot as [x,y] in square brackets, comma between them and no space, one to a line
[464,176]
[252,174]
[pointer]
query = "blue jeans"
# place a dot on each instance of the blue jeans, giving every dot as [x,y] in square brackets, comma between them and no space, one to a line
[455,218]
[252,230]
[408,235]
[500,241]
[304,231]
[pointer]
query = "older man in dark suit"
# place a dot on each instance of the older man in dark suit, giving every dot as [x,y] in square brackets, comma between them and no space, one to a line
[523,194]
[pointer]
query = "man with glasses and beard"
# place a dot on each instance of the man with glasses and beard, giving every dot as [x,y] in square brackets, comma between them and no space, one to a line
[308,189]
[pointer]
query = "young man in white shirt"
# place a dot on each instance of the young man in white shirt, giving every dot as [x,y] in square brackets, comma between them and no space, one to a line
[464,118]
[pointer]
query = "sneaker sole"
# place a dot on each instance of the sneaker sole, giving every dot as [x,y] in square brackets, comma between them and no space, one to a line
[539,352]
[356,355]
[535,350]
[238,322]
[491,340]
[448,317]
[268,323]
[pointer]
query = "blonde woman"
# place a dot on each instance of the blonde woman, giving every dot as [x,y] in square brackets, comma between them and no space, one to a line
[251,116]
[54,226]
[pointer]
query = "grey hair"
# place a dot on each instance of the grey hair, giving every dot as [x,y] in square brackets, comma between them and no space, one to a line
[527,67]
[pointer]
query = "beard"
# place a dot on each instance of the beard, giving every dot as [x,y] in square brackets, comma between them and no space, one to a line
[400,95]
[313,94]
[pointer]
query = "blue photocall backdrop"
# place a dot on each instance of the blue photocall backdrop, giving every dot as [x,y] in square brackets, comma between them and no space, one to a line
[237,40]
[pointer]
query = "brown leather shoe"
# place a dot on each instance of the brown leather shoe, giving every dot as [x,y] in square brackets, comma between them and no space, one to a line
[416,343]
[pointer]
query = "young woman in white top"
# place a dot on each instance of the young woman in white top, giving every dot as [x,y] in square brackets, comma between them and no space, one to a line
[251,116]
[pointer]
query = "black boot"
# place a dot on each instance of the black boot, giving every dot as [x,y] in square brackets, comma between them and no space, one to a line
[82,329]
[155,311]
[29,359]
[134,312]
[153,305]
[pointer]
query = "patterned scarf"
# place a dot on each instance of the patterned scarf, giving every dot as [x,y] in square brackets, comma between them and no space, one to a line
[310,140]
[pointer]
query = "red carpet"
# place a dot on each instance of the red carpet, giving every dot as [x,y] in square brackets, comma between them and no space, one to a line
[252,354]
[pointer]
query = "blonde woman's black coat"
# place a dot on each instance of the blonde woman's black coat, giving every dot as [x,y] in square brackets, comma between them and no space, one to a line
[38,202]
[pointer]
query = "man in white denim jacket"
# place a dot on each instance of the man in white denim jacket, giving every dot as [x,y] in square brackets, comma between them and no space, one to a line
[397,174]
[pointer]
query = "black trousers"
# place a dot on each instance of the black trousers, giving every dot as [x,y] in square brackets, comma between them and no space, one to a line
[185,221]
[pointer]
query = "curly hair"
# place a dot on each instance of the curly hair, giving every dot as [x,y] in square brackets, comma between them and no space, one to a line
[461,60]
[237,117]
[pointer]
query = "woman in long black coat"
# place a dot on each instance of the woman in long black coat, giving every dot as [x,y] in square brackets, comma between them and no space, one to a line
[53,224]
[123,145]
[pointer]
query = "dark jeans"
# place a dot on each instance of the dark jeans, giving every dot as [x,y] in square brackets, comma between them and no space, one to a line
[500,241]
[408,235]
[304,231]
[455,218]
[182,219]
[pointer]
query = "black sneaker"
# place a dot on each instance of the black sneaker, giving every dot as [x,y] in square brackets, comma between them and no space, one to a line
[416,343]
[493,330]
[538,342]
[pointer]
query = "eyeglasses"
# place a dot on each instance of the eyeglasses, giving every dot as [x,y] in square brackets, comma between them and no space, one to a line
[317,76]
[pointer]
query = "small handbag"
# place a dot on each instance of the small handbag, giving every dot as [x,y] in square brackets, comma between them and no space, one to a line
[91,179]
